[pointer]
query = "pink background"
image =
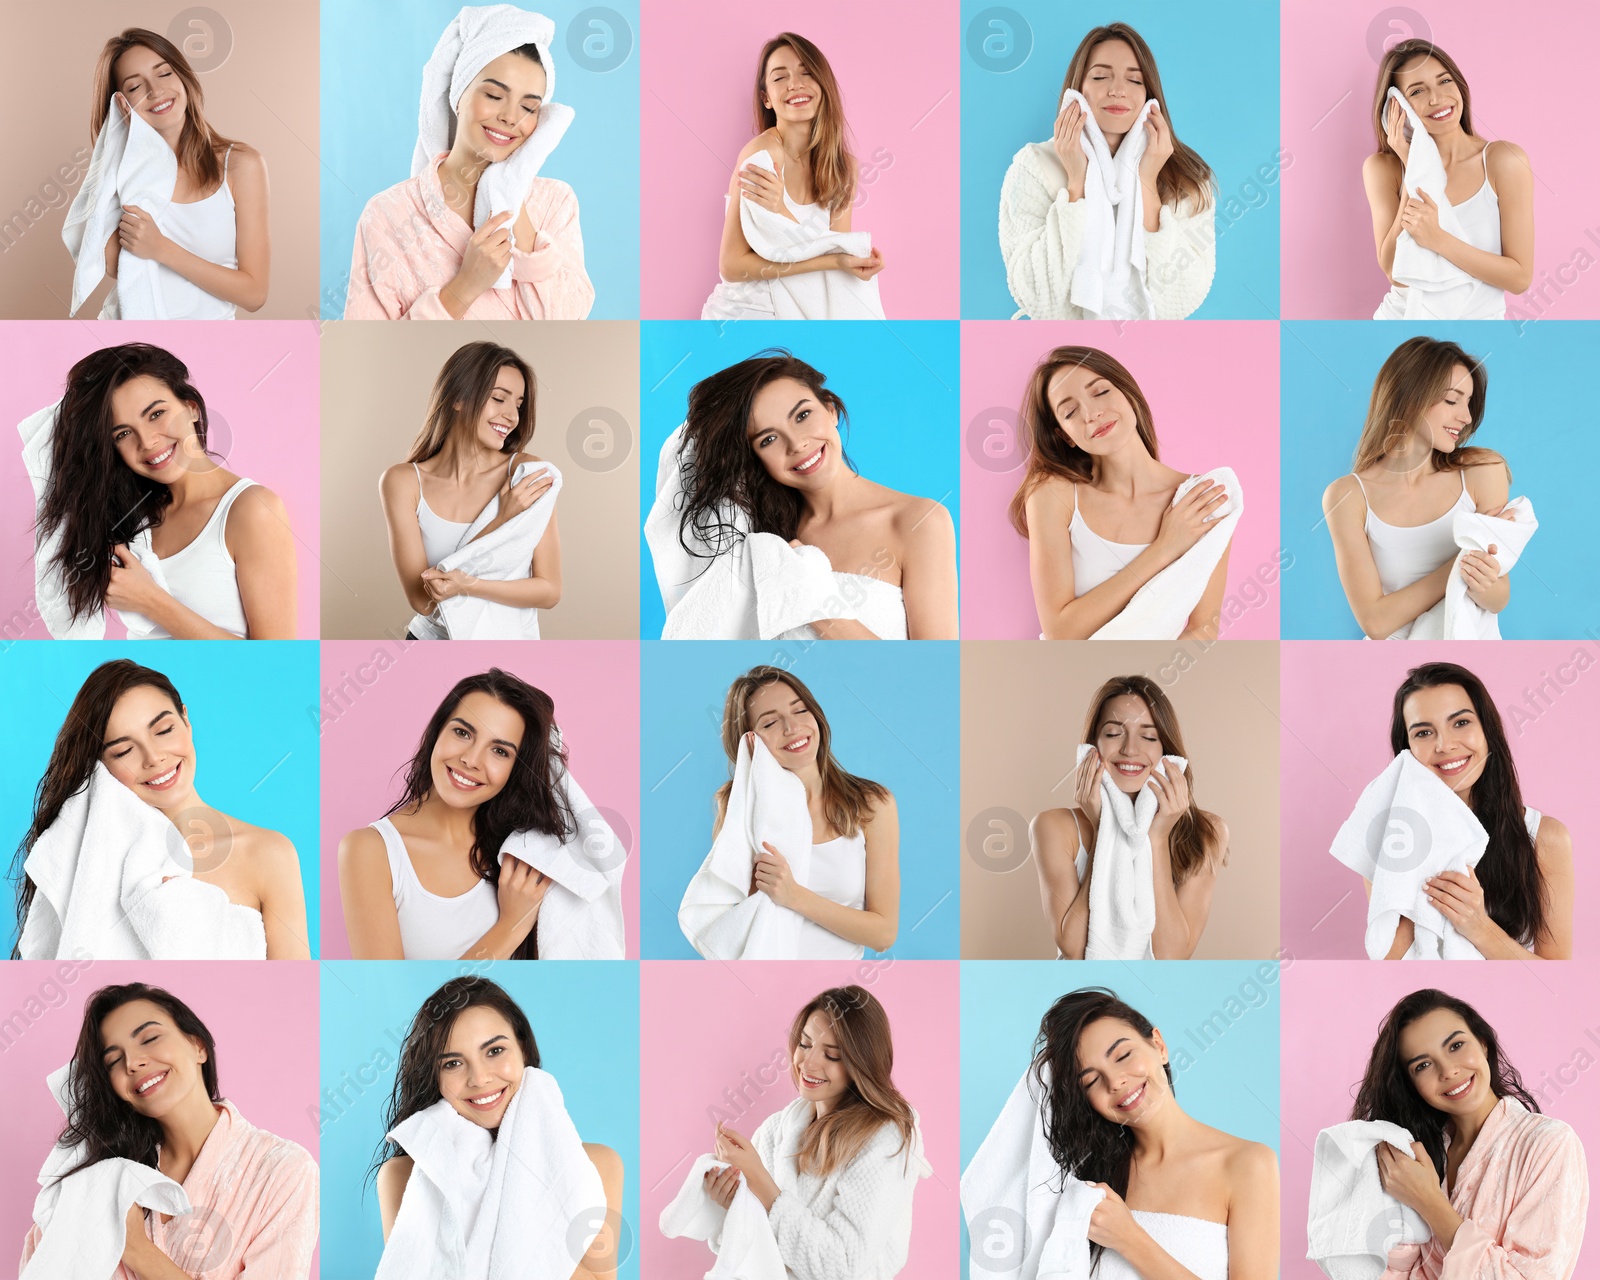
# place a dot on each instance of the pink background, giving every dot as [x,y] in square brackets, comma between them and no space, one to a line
[1335,708]
[266,1066]
[1330,266]
[707,1028]
[1542,1014]
[1212,386]
[366,738]
[897,66]
[266,390]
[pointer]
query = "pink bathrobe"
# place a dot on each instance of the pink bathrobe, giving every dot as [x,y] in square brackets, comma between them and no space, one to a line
[1522,1191]
[409,242]
[255,1208]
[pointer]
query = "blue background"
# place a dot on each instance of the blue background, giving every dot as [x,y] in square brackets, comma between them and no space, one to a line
[1539,376]
[372,60]
[585,1019]
[251,706]
[899,380]
[1203,62]
[1231,1084]
[894,711]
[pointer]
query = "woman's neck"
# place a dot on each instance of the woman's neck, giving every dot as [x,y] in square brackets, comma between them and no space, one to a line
[197,481]
[823,505]
[459,173]
[184,1130]
[451,825]
[461,460]
[1464,1130]
[794,136]
[1129,472]
[1156,1136]
[1456,146]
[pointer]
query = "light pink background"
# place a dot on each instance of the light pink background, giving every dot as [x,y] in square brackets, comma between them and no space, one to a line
[262,396]
[706,1029]
[266,1065]
[1543,1015]
[392,688]
[1212,386]
[1335,740]
[1330,266]
[897,66]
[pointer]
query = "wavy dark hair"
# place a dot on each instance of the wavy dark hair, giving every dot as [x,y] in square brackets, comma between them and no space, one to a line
[93,500]
[1514,890]
[530,800]
[107,1126]
[416,1081]
[79,743]
[1386,1092]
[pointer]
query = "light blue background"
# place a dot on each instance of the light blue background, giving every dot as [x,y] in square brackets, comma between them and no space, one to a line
[253,709]
[899,379]
[894,711]
[1231,1082]
[1204,62]
[372,60]
[1538,417]
[585,1019]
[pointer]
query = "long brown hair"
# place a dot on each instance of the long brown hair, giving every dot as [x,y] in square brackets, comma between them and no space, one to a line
[1185,174]
[1413,378]
[861,1030]
[462,388]
[1389,68]
[833,166]
[847,801]
[1050,452]
[198,144]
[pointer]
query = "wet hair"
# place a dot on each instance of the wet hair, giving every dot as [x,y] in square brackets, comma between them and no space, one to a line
[1389,69]
[460,392]
[1413,379]
[833,167]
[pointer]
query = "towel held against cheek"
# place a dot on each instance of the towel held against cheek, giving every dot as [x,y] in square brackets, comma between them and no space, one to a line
[1353,1222]
[504,555]
[741,1235]
[1108,280]
[476,36]
[1458,616]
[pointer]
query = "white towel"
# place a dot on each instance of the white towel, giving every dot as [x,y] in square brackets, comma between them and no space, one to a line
[476,37]
[1122,885]
[524,1204]
[1407,827]
[501,556]
[1108,281]
[49,587]
[740,1235]
[1353,1222]
[1027,1219]
[1458,616]
[108,879]
[91,1206]
[719,915]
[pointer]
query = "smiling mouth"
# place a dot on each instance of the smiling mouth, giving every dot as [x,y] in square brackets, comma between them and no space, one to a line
[501,430]
[810,464]
[1461,1090]
[163,108]
[165,781]
[495,136]
[802,100]
[488,1101]
[1132,1100]
[1129,769]
[1452,767]
[1444,113]
[808,1083]
[1454,432]
[1101,431]
[799,744]
[462,782]
[151,1084]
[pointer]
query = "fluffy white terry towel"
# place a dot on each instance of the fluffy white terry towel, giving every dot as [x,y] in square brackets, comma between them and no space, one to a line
[500,556]
[1353,1222]
[1407,827]
[740,1235]
[1458,616]
[1122,885]
[1026,1218]
[476,37]
[521,1205]
[109,879]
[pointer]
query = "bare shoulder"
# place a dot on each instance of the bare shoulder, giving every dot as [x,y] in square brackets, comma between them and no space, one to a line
[607,1163]
[921,519]
[1054,829]
[526,457]
[1507,159]
[1382,167]
[244,160]
[363,846]
[393,1174]
[1554,845]
[256,504]
[1340,491]
[1051,494]
[766,141]
[399,481]
[1250,1165]
[1217,849]
[884,806]
[1488,478]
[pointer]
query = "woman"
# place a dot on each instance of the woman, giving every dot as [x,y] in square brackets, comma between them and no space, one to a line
[1503,1189]
[761,453]
[836,1169]
[1100,511]
[1488,186]
[133,721]
[128,459]
[470,1046]
[800,127]
[420,253]
[144,1086]
[1131,725]
[212,246]
[1392,519]
[466,457]
[1045,202]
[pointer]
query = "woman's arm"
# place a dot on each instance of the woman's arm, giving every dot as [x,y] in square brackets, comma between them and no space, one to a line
[1405,933]
[261,543]
[246,285]
[1489,487]
[1206,620]
[1182,913]
[1381,175]
[397,490]
[928,572]
[736,260]
[1378,615]
[1554,849]
[371,922]
[600,1259]
[1253,1221]
[541,589]
[876,923]
[393,1175]
[283,899]
[1055,838]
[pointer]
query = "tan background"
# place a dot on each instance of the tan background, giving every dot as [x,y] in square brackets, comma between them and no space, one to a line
[264,92]
[1022,710]
[376,381]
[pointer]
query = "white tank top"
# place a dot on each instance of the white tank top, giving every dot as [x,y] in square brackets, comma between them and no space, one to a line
[1480,227]
[431,927]
[440,537]
[1406,553]
[1095,559]
[203,576]
[208,229]
[839,874]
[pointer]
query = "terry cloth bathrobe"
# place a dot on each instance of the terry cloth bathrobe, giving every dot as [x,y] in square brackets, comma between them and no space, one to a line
[1352,1222]
[854,1224]
[409,242]
[1092,259]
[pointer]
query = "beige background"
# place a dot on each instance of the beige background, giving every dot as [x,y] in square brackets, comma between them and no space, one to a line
[264,93]
[376,382]
[1022,710]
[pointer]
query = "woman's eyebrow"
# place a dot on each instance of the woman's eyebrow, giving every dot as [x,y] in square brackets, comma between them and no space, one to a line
[506,89]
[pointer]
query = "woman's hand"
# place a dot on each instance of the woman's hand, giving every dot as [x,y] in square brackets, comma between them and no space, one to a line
[773,877]
[445,585]
[1409,1179]
[1091,769]
[137,1246]
[487,256]
[735,1148]
[1068,145]
[1420,216]
[1190,518]
[1112,1224]
[516,498]
[722,1184]
[139,235]
[1157,147]
[862,268]
[1172,799]
[762,186]
[521,891]
[1459,897]
[131,585]
[1394,130]
[1481,571]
